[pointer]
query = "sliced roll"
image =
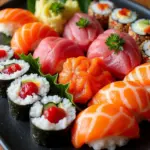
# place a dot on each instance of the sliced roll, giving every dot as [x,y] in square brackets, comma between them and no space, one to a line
[25,91]
[10,70]
[50,120]
[101,11]
[121,18]
[5,52]
[140,30]
[145,49]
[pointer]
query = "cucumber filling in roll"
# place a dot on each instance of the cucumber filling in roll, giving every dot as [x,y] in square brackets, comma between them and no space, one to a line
[52,113]
[141,27]
[51,119]
[124,15]
[23,92]
[5,52]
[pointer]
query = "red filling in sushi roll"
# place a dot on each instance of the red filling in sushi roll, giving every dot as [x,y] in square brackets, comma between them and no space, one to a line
[54,114]
[28,88]
[11,69]
[2,53]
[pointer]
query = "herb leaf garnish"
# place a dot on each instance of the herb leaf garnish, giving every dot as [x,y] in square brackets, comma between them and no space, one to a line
[115,42]
[82,23]
[57,7]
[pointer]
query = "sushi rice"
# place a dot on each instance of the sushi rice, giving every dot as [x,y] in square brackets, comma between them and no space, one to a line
[13,89]
[109,143]
[8,50]
[39,120]
[24,68]
[121,22]
[145,49]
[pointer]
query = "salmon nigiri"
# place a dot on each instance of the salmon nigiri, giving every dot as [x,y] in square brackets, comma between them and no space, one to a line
[13,18]
[128,94]
[29,36]
[141,75]
[104,126]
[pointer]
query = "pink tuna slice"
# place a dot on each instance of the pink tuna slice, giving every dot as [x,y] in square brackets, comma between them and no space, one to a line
[83,36]
[119,64]
[53,51]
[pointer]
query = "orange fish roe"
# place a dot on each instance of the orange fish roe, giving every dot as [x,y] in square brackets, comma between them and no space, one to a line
[85,76]
[103,6]
[147,30]
[124,12]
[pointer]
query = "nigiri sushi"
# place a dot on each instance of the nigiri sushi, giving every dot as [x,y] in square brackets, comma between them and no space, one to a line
[128,94]
[27,37]
[82,29]
[103,127]
[13,18]
[141,75]
[85,77]
[117,50]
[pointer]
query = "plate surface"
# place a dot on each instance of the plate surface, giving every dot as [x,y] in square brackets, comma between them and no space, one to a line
[17,134]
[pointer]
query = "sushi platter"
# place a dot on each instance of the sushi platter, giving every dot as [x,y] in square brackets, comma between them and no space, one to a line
[74,74]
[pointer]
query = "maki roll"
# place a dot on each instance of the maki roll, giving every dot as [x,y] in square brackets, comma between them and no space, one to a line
[23,92]
[101,11]
[140,30]
[5,52]
[145,49]
[50,120]
[121,18]
[10,70]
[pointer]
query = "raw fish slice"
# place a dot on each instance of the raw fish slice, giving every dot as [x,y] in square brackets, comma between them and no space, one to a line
[27,37]
[15,18]
[105,121]
[128,94]
[141,75]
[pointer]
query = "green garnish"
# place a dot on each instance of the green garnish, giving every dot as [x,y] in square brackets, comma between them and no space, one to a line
[83,22]
[115,42]
[57,7]
[5,40]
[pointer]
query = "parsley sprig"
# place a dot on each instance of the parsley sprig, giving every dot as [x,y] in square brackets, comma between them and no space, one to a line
[115,42]
[83,22]
[57,7]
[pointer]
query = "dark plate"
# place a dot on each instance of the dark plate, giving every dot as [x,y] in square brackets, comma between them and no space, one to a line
[17,134]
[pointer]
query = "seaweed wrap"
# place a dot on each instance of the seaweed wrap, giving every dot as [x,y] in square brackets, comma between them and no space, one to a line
[50,120]
[121,18]
[101,11]
[140,30]
[10,70]
[23,92]
[5,53]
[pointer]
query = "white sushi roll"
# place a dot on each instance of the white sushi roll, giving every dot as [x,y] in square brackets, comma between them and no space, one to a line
[10,70]
[145,49]
[49,116]
[101,11]
[140,30]
[5,52]
[121,18]
[23,92]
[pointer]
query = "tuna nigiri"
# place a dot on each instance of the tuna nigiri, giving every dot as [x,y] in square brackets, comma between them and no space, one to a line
[128,94]
[118,51]
[104,126]
[27,37]
[13,18]
[53,51]
[85,77]
[141,75]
